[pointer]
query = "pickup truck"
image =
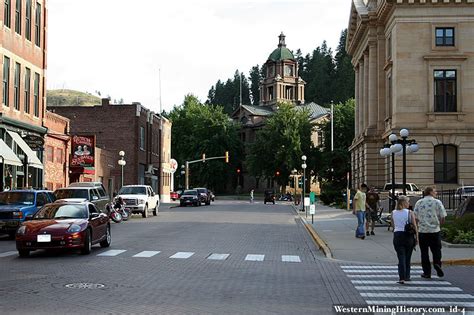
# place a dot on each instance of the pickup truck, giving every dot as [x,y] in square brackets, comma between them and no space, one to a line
[16,205]
[412,189]
[140,199]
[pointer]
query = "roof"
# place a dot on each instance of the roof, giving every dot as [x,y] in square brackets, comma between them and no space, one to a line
[315,111]
[258,110]
[281,53]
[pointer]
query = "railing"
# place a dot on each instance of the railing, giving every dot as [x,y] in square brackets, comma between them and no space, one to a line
[452,198]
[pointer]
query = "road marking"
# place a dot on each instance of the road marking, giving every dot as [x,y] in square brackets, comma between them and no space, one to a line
[6,254]
[255,257]
[182,255]
[406,288]
[417,295]
[218,256]
[147,253]
[112,252]
[392,282]
[376,267]
[380,276]
[289,258]
[420,303]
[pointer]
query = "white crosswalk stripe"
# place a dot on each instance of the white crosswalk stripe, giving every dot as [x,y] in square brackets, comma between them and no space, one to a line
[255,257]
[6,254]
[182,255]
[377,285]
[112,252]
[218,256]
[147,254]
[290,258]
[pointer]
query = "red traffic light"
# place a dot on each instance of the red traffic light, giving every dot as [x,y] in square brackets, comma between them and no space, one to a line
[277,173]
[238,170]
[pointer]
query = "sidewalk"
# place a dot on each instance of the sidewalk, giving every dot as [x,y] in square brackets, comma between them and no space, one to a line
[337,229]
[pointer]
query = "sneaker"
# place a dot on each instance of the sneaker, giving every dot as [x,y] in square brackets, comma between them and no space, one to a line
[367,233]
[425,276]
[439,271]
[401,282]
[362,238]
[372,233]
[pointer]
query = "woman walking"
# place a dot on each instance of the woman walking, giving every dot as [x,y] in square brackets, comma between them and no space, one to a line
[405,236]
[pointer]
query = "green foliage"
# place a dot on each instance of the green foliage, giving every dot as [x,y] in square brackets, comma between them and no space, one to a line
[227,94]
[280,144]
[460,230]
[464,237]
[199,129]
[70,97]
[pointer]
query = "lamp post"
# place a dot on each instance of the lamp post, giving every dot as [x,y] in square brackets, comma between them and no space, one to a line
[303,166]
[122,163]
[182,174]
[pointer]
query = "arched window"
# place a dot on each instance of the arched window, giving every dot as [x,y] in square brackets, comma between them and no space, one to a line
[445,163]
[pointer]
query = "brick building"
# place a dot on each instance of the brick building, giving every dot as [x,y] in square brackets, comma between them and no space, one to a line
[56,151]
[22,112]
[131,128]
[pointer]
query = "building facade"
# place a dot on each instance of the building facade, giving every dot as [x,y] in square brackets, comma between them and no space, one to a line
[56,151]
[22,113]
[131,128]
[414,68]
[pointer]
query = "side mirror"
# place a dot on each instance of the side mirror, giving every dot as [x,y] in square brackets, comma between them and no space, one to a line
[153,194]
[94,215]
[95,198]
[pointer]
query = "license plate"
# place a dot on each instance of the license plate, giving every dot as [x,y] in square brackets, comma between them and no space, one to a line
[44,238]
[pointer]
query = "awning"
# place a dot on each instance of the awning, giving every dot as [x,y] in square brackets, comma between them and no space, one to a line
[8,155]
[32,158]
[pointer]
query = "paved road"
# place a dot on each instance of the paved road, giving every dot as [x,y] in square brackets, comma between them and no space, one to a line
[228,258]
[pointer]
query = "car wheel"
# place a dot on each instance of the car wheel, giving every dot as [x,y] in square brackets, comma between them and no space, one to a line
[86,250]
[208,203]
[108,238]
[155,211]
[145,212]
[23,253]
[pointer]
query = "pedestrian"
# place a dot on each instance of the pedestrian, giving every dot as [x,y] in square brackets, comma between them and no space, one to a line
[404,241]
[359,206]
[430,214]
[373,204]
[251,196]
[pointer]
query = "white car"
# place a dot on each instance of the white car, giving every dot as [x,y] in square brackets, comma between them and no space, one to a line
[140,199]
[411,188]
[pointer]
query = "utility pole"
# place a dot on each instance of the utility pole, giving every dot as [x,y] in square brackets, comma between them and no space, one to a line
[332,126]
[240,94]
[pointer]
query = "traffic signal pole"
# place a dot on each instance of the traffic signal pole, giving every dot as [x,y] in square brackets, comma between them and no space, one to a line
[202,160]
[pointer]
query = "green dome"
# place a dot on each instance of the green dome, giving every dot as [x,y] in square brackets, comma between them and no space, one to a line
[281,53]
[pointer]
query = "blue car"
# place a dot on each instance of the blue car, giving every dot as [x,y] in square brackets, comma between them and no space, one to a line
[16,205]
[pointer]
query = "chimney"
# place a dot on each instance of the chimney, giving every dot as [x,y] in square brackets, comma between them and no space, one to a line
[105,102]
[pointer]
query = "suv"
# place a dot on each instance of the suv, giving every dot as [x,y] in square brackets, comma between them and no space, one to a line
[140,199]
[411,188]
[204,195]
[16,205]
[269,196]
[100,187]
[93,194]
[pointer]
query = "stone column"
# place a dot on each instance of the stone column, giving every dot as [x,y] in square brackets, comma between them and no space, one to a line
[372,86]
[366,90]
[357,101]
[361,96]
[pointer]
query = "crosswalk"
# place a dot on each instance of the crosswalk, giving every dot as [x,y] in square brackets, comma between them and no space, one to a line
[377,285]
[184,255]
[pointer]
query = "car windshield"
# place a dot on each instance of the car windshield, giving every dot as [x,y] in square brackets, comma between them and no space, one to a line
[71,193]
[17,198]
[54,211]
[400,186]
[190,192]
[132,191]
[201,190]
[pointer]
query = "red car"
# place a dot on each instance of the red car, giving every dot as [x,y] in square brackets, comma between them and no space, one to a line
[64,224]
[175,195]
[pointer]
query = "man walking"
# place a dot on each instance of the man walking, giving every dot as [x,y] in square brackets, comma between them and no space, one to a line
[430,213]
[359,210]
[251,196]
[373,204]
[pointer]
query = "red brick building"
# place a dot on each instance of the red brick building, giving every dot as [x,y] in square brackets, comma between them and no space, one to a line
[56,151]
[22,110]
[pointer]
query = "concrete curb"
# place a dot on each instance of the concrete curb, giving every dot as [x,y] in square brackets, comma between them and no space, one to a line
[317,239]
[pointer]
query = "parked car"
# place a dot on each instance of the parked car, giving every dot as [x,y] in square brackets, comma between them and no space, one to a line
[175,195]
[140,199]
[269,196]
[464,192]
[190,197]
[100,187]
[91,194]
[204,195]
[15,205]
[411,188]
[64,224]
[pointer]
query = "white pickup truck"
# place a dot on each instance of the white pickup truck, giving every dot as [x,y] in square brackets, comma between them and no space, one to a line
[140,199]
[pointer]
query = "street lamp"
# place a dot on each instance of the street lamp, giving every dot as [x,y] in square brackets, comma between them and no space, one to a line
[122,163]
[303,166]
[182,173]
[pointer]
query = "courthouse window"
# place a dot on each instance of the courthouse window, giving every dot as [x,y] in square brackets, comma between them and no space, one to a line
[445,36]
[445,90]
[445,164]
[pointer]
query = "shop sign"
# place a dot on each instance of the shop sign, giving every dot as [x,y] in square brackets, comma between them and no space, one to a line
[36,143]
[83,151]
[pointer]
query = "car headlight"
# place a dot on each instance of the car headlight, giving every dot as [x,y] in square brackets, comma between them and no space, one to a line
[18,214]
[21,230]
[141,201]
[74,228]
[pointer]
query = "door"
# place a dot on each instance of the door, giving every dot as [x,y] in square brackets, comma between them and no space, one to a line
[151,198]
[95,221]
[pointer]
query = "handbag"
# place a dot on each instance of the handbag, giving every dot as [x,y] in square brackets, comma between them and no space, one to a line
[410,227]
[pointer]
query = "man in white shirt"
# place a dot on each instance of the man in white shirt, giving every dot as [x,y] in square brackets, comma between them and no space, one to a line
[430,214]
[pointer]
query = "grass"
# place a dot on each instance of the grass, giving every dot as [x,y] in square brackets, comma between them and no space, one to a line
[71,97]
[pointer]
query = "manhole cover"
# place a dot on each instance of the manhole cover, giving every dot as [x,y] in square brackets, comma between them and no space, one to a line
[85,285]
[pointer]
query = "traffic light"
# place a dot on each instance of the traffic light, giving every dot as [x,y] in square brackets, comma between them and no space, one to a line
[204,157]
[277,173]
[238,171]
[227,156]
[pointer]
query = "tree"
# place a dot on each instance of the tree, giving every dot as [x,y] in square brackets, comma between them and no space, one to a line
[227,94]
[199,129]
[283,139]
[344,79]
[255,76]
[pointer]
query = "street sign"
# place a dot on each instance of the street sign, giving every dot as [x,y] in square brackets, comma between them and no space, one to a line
[173,166]
[312,196]
[306,201]
[312,209]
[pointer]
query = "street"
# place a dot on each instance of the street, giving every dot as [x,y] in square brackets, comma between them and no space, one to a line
[228,258]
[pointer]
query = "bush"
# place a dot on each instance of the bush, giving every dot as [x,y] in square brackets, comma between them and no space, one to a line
[464,238]
[459,231]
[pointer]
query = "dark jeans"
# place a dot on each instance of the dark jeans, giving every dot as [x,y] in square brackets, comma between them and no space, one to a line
[433,242]
[404,245]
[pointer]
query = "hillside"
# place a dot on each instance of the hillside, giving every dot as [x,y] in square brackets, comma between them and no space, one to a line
[70,97]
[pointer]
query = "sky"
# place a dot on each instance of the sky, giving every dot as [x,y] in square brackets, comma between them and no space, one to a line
[119,47]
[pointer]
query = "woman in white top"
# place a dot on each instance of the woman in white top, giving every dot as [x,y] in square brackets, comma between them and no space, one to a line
[403,242]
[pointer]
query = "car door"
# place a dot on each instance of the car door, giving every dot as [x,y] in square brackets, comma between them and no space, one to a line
[151,198]
[95,221]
